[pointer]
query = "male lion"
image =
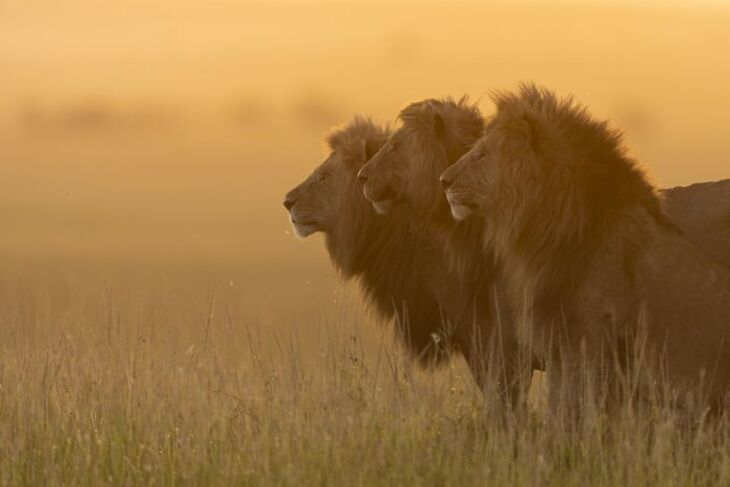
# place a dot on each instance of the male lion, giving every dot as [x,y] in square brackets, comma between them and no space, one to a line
[393,267]
[588,250]
[403,177]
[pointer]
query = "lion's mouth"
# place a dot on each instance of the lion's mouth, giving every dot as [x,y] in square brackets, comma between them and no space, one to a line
[461,212]
[304,223]
[461,200]
[304,228]
[383,206]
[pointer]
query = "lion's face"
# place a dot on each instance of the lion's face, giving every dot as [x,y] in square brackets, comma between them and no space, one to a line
[382,175]
[313,205]
[432,135]
[493,178]
[470,180]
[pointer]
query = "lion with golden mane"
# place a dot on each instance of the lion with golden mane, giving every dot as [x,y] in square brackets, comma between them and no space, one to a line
[395,269]
[590,256]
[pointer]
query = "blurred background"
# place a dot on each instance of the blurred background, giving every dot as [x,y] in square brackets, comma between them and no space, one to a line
[153,141]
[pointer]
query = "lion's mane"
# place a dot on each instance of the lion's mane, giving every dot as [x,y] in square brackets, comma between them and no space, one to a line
[393,265]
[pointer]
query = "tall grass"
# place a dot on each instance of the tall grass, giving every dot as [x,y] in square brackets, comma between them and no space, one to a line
[140,383]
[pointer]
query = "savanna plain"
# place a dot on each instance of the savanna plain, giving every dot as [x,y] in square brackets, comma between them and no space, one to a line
[161,325]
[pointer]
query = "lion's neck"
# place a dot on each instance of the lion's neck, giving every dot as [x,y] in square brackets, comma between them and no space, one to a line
[358,243]
[384,254]
[554,279]
[545,260]
[394,268]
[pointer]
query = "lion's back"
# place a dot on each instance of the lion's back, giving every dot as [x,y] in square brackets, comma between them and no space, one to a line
[702,211]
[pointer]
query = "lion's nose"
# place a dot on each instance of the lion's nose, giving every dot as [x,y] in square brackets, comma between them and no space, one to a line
[361,176]
[288,203]
[445,182]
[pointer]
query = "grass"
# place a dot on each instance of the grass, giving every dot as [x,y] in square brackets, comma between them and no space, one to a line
[154,381]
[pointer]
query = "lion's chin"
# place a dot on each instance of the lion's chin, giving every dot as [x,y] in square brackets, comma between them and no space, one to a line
[383,207]
[461,207]
[304,230]
[463,204]
[460,211]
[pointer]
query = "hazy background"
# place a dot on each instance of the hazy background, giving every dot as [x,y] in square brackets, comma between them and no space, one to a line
[147,141]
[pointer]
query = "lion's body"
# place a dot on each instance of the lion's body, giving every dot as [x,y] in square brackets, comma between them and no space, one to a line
[702,211]
[687,301]
[590,255]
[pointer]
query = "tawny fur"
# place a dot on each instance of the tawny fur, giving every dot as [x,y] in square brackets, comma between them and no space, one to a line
[586,245]
[432,135]
[394,267]
[702,211]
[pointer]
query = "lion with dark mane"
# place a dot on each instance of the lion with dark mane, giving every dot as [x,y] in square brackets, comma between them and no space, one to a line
[403,177]
[588,250]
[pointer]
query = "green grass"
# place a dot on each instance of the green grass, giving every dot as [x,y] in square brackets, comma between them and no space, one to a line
[138,387]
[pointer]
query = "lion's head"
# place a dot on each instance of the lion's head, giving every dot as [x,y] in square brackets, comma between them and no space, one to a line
[471,182]
[317,204]
[432,135]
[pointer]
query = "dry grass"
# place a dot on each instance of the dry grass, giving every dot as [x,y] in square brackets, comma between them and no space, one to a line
[130,376]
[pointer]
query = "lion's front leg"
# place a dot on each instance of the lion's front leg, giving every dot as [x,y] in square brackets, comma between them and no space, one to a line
[500,368]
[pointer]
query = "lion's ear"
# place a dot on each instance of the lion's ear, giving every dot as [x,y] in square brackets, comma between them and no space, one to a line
[425,117]
[433,119]
[524,132]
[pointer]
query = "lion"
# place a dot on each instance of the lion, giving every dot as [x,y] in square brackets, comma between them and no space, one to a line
[403,176]
[397,271]
[590,256]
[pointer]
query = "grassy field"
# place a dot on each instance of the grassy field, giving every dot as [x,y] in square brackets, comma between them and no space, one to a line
[139,374]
